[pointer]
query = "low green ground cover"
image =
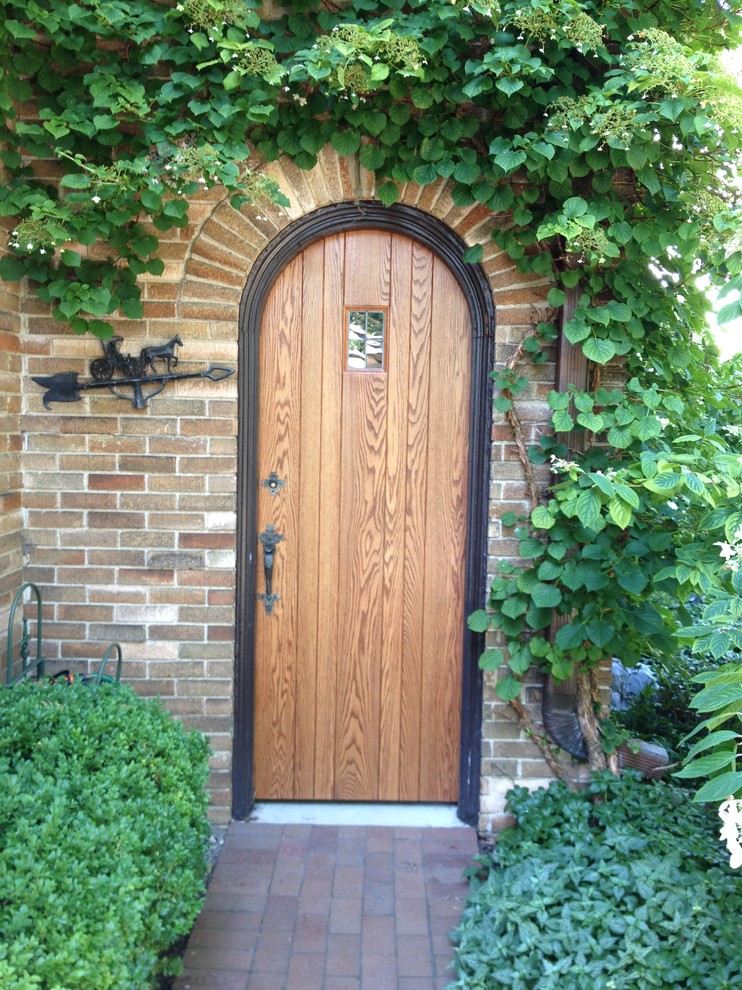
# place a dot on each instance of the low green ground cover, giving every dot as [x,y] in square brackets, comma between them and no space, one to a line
[619,887]
[103,836]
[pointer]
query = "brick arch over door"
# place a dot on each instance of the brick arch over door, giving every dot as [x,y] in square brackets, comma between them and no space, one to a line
[209,263]
[225,243]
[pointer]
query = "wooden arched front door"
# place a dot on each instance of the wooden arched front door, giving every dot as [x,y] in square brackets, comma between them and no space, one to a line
[364,430]
[364,427]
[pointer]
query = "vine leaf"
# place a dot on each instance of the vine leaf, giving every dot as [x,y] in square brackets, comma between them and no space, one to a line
[599,350]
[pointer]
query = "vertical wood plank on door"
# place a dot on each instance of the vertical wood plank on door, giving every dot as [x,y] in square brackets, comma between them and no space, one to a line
[392,656]
[445,544]
[330,386]
[367,261]
[275,677]
[307,549]
[415,522]
[361,559]
[362,486]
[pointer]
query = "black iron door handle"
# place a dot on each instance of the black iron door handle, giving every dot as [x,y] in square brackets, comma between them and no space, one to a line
[270,538]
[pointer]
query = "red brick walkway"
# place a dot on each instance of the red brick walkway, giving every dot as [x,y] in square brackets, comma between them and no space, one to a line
[323,907]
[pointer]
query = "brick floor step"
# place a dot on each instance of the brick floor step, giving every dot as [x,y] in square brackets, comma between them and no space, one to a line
[328,907]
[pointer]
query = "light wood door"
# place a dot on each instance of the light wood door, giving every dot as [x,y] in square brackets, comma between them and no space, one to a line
[358,665]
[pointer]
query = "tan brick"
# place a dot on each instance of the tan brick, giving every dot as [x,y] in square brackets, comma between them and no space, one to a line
[221,597]
[206,503]
[156,425]
[210,310]
[89,500]
[10,502]
[177,631]
[207,579]
[208,724]
[55,481]
[207,465]
[177,596]
[220,633]
[84,613]
[161,290]
[116,520]
[146,576]
[210,541]
[177,483]
[223,409]
[147,464]
[220,668]
[117,482]
[87,424]
[179,444]
[197,427]
[115,445]
[149,502]
[150,650]
[223,447]
[225,483]
[176,559]
[129,595]
[207,651]
[155,688]
[55,520]
[88,575]
[185,706]
[177,668]
[176,521]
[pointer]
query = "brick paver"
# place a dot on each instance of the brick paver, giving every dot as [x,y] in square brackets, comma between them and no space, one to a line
[326,907]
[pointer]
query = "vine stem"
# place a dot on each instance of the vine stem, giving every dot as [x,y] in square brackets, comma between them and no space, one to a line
[517,426]
[547,751]
[524,719]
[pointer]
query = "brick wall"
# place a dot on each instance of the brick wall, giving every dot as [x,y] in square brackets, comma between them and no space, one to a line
[11,517]
[131,513]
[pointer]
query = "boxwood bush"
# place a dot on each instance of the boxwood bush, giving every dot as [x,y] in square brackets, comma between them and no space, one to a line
[631,891]
[103,836]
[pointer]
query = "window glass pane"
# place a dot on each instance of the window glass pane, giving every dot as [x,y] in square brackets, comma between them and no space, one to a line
[366,340]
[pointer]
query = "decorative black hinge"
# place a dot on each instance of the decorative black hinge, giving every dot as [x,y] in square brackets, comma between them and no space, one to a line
[127,376]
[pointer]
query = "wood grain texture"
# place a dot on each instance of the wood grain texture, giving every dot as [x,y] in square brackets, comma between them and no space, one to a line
[358,675]
[328,600]
[361,556]
[308,537]
[445,539]
[275,676]
[395,485]
[418,436]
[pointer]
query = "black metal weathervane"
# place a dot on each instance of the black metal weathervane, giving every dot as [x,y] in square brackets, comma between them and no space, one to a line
[127,376]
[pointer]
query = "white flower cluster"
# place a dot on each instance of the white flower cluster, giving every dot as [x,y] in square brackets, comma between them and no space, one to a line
[730,812]
[558,465]
[731,552]
[32,235]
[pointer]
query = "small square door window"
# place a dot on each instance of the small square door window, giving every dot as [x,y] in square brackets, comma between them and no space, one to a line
[366,339]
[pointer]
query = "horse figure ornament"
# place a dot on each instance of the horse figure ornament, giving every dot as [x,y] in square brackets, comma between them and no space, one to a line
[126,375]
[163,352]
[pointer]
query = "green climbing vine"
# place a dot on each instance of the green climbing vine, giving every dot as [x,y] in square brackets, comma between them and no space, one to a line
[606,136]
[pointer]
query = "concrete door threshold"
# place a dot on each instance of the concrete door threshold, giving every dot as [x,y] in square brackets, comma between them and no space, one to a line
[366,814]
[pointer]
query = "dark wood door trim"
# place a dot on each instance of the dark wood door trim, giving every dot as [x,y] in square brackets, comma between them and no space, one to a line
[444,242]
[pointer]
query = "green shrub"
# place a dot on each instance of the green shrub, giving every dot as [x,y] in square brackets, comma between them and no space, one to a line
[662,713]
[629,892]
[103,835]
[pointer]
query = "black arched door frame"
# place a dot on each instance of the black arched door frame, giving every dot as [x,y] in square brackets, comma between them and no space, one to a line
[444,242]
